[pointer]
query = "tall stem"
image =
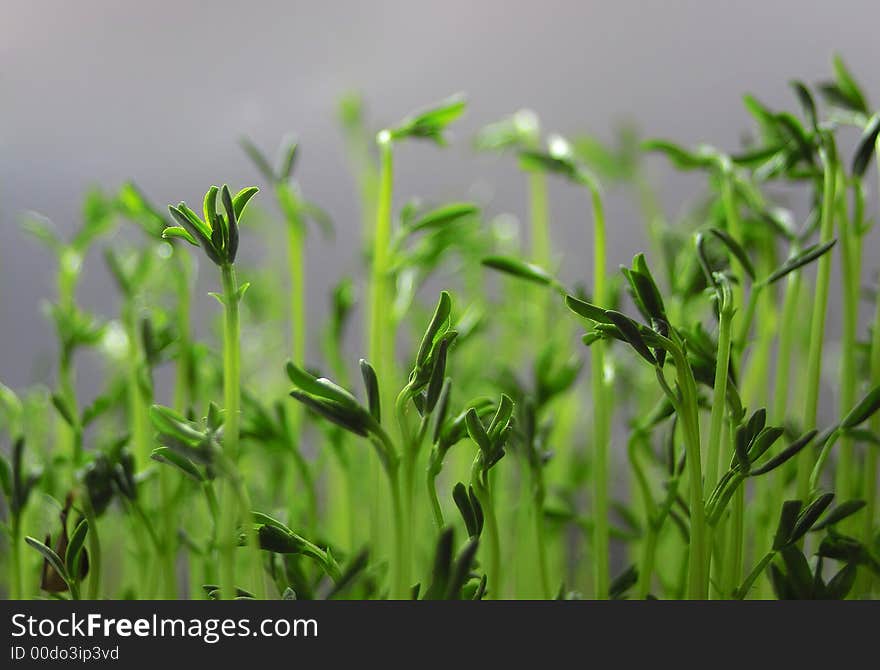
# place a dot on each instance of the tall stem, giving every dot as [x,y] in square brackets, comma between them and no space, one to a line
[184,373]
[229,514]
[15,578]
[817,329]
[601,413]
[380,326]
[719,396]
[698,582]
[540,539]
[399,587]
[850,261]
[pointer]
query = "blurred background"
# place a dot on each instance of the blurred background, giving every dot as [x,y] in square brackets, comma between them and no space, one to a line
[97,92]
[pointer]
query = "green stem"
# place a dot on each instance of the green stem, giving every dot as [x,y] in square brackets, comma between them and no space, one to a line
[15,579]
[183,391]
[698,582]
[399,586]
[484,495]
[850,261]
[229,513]
[436,508]
[817,329]
[540,538]
[380,326]
[719,396]
[94,591]
[601,413]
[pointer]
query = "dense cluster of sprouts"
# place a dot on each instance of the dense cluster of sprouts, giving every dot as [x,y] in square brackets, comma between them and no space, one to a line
[471,460]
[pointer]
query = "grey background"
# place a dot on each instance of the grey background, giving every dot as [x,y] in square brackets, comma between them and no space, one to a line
[97,92]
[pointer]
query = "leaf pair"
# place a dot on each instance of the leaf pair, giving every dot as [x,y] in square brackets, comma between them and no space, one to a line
[491,440]
[469,507]
[430,124]
[217,233]
[186,444]
[427,378]
[340,407]
[451,573]
[15,483]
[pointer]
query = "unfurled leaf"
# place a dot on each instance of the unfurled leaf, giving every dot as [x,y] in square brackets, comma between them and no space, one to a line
[518,268]
[802,258]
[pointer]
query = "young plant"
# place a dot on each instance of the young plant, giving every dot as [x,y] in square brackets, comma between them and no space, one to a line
[218,236]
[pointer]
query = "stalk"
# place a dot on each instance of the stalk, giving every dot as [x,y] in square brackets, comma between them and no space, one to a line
[482,488]
[601,412]
[719,393]
[540,238]
[688,409]
[399,588]
[850,261]
[15,576]
[817,328]
[871,455]
[183,391]
[380,326]
[94,591]
[436,509]
[229,512]
[540,541]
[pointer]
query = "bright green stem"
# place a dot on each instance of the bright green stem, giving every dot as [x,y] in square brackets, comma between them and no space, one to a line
[719,396]
[817,330]
[540,537]
[380,326]
[646,568]
[296,269]
[229,514]
[538,215]
[436,508]
[540,239]
[94,591]
[698,582]
[869,492]
[137,404]
[850,265]
[484,494]
[15,578]
[184,373]
[787,331]
[399,576]
[601,413]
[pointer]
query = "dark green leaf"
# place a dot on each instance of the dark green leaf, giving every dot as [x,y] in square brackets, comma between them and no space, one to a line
[788,453]
[74,548]
[734,247]
[49,554]
[839,513]
[186,466]
[866,147]
[630,331]
[443,216]
[809,516]
[807,102]
[806,256]
[791,510]
[371,384]
[865,408]
[518,268]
